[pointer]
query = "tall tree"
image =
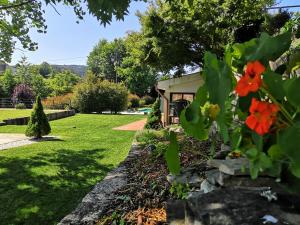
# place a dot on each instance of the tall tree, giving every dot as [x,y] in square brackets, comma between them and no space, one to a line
[45,69]
[8,82]
[177,33]
[139,77]
[23,72]
[106,57]
[38,124]
[62,83]
[17,17]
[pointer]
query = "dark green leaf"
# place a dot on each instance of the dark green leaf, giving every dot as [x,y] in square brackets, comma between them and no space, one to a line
[289,142]
[275,152]
[172,155]
[274,84]
[197,130]
[292,88]
[218,79]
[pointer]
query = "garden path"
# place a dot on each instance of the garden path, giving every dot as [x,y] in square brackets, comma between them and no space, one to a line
[16,140]
[138,125]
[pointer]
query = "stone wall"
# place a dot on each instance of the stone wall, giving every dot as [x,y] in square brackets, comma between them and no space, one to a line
[93,204]
[51,116]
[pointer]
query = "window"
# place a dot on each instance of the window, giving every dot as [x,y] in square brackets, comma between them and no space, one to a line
[186,96]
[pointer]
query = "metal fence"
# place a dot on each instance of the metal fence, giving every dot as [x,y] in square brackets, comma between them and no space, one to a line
[8,103]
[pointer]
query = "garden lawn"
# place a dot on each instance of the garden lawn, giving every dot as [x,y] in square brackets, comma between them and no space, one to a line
[42,182]
[15,113]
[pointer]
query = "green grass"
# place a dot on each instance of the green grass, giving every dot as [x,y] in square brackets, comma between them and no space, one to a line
[15,113]
[42,182]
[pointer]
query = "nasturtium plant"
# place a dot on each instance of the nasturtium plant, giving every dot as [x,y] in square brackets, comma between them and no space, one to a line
[256,88]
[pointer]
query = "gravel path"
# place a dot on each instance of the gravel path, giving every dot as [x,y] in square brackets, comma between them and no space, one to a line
[16,140]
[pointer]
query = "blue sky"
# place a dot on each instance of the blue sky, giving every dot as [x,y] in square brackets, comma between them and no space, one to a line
[67,42]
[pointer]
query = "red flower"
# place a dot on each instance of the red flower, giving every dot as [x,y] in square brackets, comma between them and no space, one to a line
[251,80]
[263,115]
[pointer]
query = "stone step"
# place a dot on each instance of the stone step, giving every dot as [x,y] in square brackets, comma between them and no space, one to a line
[238,166]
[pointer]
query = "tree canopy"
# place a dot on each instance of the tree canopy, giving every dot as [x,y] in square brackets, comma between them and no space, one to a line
[105,57]
[175,34]
[17,17]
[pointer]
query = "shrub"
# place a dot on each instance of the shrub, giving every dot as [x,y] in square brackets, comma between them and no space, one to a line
[161,148]
[38,124]
[20,106]
[23,94]
[148,100]
[58,102]
[134,100]
[154,118]
[100,96]
[151,136]
[142,102]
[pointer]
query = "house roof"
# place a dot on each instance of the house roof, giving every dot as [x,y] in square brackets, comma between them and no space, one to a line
[192,78]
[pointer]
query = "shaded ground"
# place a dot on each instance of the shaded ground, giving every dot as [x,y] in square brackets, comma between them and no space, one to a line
[42,182]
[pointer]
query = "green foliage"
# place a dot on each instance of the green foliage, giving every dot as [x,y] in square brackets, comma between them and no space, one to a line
[270,152]
[138,77]
[23,72]
[154,117]
[20,106]
[148,136]
[39,86]
[105,57]
[148,100]
[172,155]
[62,83]
[45,69]
[100,96]
[160,150]
[179,190]
[186,31]
[133,101]
[289,142]
[38,124]
[7,82]
[191,118]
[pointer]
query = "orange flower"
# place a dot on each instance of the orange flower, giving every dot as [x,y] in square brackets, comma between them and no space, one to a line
[262,116]
[251,80]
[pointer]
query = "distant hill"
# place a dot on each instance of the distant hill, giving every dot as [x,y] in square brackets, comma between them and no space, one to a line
[78,69]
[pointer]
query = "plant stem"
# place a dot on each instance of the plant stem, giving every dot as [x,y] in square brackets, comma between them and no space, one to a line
[282,109]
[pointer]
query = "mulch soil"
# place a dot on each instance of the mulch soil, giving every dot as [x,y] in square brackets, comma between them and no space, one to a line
[143,199]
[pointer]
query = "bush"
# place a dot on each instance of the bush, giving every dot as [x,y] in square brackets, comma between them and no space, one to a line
[38,124]
[142,102]
[151,136]
[20,106]
[100,96]
[160,149]
[154,118]
[58,102]
[148,100]
[134,101]
[23,94]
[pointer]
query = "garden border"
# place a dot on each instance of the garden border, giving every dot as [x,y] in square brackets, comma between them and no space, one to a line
[51,116]
[93,204]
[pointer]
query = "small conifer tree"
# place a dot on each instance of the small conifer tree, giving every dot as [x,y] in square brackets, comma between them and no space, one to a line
[154,118]
[38,124]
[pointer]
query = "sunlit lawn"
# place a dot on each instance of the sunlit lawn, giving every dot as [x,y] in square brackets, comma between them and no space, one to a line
[15,113]
[41,183]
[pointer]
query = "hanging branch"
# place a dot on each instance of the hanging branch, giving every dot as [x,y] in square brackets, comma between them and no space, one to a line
[5,7]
